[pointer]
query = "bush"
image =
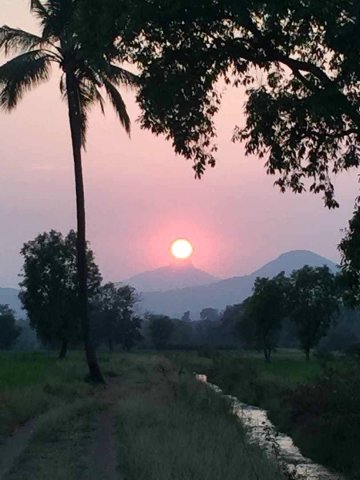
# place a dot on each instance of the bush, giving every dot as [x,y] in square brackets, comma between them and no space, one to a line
[326,419]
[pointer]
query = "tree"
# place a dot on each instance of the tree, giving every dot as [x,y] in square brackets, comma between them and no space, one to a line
[113,318]
[313,304]
[297,60]
[49,289]
[349,249]
[209,314]
[82,78]
[230,321]
[264,311]
[161,328]
[9,331]
[186,316]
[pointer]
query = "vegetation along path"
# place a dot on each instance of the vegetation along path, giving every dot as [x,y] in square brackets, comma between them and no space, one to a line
[151,422]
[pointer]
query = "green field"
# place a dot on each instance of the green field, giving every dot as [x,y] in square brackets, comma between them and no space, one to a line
[152,421]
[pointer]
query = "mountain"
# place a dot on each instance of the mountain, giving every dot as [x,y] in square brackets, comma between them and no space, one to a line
[226,292]
[179,274]
[290,261]
[9,296]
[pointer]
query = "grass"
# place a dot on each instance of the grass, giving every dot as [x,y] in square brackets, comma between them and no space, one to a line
[177,429]
[168,426]
[31,384]
[317,403]
[23,369]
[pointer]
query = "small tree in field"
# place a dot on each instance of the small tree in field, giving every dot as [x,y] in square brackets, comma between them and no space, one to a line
[114,321]
[264,311]
[314,303]
[49,291]
[161,328]
[9,331]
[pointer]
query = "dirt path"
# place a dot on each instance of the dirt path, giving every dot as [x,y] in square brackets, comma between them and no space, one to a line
[104,456]
[14,446]
[103,463]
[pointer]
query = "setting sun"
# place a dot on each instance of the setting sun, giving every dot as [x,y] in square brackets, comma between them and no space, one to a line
[181,249]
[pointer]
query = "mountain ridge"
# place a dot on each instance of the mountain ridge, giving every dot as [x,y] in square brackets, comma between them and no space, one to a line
[217,294]
[228,291]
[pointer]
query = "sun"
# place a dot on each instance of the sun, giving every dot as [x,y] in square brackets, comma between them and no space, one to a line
[181,249]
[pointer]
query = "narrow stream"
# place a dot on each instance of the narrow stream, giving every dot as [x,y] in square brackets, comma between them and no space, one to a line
[262,432]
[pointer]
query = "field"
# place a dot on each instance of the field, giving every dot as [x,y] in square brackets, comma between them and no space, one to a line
[152,421]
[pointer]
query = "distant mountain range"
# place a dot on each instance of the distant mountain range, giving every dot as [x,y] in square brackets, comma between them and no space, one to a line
[177,288]
[226,292]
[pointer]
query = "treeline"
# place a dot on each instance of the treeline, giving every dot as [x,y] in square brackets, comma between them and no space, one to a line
[50,297]
[305,310]
[311,308]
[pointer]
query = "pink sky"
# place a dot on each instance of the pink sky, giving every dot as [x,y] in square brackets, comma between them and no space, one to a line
[140,196]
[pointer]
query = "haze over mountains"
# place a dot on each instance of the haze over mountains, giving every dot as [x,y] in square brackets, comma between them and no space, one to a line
[174,289]
[219,294]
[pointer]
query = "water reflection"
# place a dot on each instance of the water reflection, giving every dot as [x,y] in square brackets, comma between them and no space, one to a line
[262,432]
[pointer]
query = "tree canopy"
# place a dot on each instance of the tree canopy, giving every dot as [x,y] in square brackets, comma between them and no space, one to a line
[161,329]
[263,313]
[297,60]
[49,290]
[314,302]
[113,318]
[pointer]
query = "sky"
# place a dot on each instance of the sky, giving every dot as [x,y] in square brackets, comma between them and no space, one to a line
[141,196]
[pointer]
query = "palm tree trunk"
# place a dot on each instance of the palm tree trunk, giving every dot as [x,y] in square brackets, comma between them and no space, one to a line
[75,127]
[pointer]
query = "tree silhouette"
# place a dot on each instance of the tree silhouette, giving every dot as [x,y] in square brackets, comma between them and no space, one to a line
[82,79]
[264,312]
[49,290]
[297,61]
[313,304]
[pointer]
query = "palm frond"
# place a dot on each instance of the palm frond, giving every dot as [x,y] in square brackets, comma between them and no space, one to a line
[60,15]
[21,74]
[17,40]
[118,75]
[118,104]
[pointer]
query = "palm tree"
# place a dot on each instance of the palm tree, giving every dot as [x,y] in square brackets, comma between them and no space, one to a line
[82,82]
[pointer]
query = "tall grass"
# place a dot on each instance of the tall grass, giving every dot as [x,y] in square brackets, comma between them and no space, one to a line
[179,430]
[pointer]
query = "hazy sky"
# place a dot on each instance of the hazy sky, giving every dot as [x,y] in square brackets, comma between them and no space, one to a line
[140,196]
